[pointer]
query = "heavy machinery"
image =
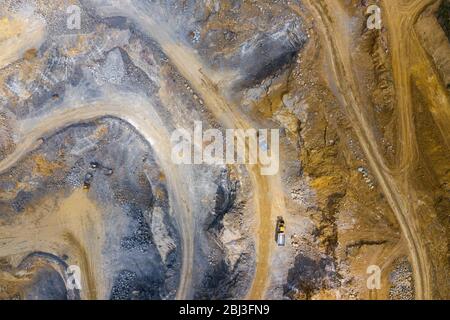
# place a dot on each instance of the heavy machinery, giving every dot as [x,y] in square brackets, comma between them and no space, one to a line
[87,180]
[280,232]
[106,171]
[94,166]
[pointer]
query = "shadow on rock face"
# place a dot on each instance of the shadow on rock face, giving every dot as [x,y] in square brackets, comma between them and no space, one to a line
[225,198]
[443,16]
[269,54]
[308,276]
[47,285]
[129,285]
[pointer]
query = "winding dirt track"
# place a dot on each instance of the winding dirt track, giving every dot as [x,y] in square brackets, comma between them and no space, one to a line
[410,62]
[407,53]
[268,191]
[142,117]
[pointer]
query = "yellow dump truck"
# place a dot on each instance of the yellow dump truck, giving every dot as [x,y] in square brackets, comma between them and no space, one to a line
[280,232]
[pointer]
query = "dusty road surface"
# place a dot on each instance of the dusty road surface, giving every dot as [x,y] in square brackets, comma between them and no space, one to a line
[65,224]
[408,57]
[355,191]
[140,116]
[268,192]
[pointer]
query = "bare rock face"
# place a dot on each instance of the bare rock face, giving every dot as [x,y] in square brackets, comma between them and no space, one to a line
[443,17]
[402,281]
[99,98]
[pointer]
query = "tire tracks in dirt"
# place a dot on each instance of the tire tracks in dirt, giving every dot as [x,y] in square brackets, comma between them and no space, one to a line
[139,114]
[394,186]
[268,191]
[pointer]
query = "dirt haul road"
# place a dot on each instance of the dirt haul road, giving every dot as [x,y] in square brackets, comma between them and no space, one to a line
[268,191]
[410,64]
[408,56]
[142,117]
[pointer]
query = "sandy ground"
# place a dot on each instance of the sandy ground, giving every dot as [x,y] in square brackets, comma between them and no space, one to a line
[408,55]
[74,224]
[76,215]
[142,118]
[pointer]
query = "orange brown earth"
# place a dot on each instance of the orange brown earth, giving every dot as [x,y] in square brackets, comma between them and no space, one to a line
[93,206]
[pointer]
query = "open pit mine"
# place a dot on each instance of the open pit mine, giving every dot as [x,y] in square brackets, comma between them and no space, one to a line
[224,149]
